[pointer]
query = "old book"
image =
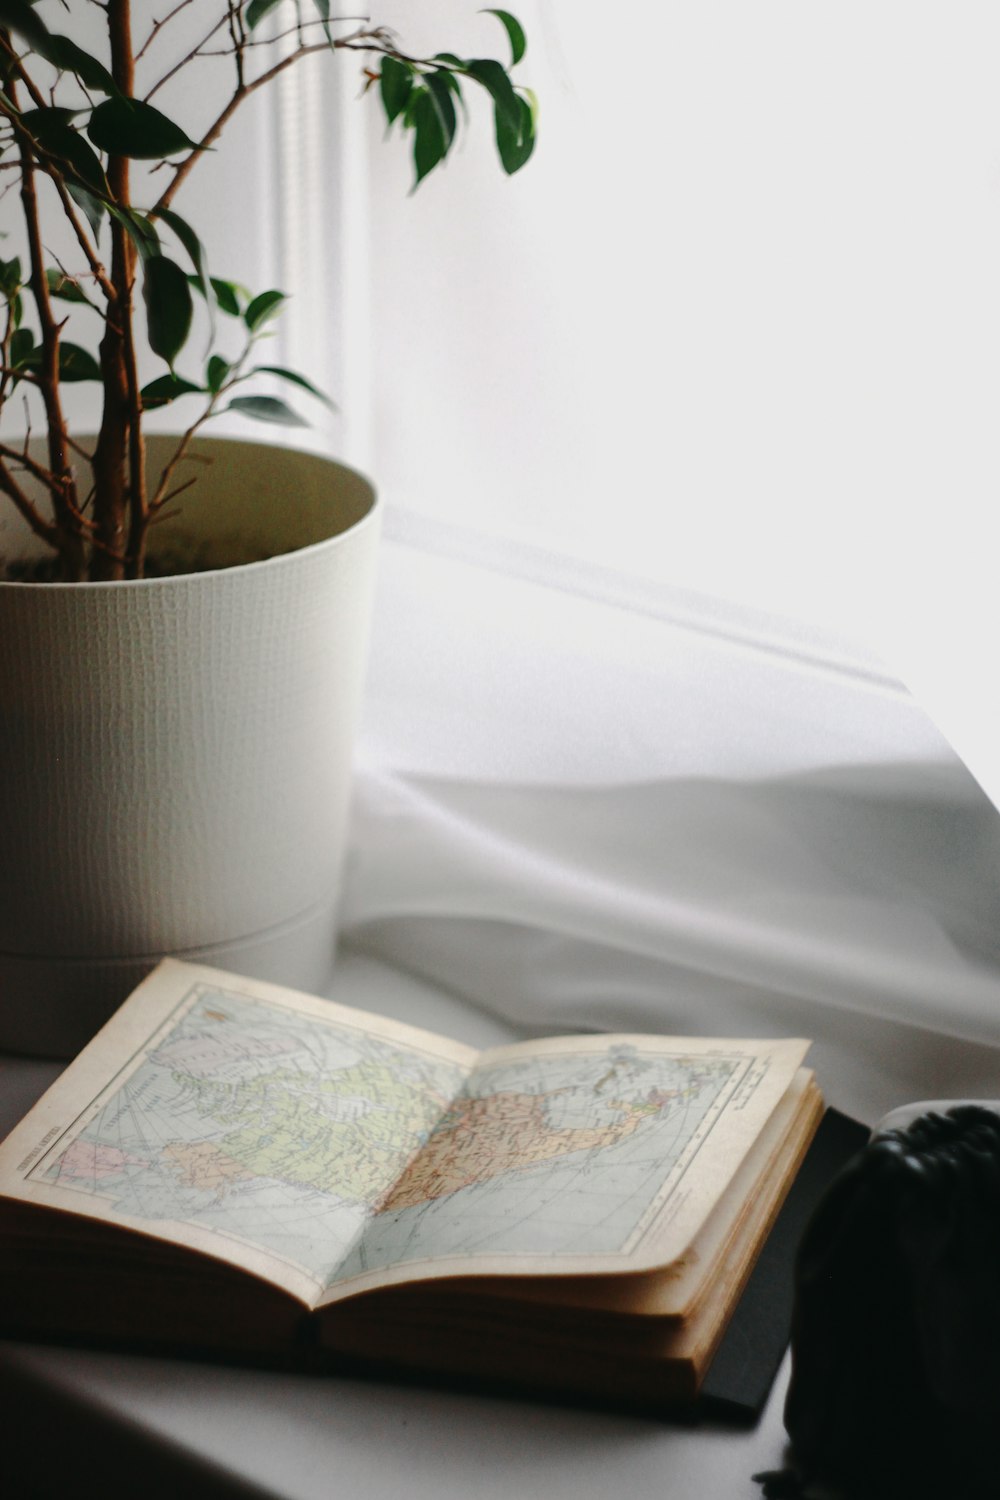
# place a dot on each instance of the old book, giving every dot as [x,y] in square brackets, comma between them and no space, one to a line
[237,1169]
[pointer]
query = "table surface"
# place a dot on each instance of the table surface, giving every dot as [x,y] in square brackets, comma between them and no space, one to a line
[131,1424]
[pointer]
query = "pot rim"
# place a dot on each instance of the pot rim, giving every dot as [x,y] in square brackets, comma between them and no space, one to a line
[371,517]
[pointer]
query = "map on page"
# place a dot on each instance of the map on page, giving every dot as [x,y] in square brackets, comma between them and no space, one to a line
[342,1152]
[262,1123]
[554,1154]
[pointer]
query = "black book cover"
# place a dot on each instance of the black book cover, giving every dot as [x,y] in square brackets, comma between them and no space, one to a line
[740,1377]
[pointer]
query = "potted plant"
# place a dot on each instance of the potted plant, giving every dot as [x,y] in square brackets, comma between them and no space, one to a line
[182,621]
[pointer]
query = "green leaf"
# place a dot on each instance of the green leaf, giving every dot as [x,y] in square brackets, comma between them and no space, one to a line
[169,308]
[167,388]
[19,16]
[441,97]
[10,277]
[267,409]
[196,250]
[92,206]
[65,54]
[227,296]
[299,380]
[493,77]
[261,308]
[323,8]
[76,363]
[139,229]
[216,372]
[61,285]
[21,344]
[192,244]
[395,86]
[515,146]
[257,10]
[132,128]
[429,144]
[44,116]
[514,30]
[57,137]
[448,77]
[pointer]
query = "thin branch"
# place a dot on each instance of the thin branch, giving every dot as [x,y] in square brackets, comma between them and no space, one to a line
[6,372]
[161,496]
[108,551]
[44,477]
[158,26]
[81,452]
[354,43]
[23,457]
[61,481]
[37,97]
[188,58]
[96,266]
[76,282]
[298,30]
[57,169]
[237,30]
[163,515]
[28,376]
[42,528]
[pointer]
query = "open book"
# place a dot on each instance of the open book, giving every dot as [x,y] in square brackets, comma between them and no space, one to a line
[236,1168]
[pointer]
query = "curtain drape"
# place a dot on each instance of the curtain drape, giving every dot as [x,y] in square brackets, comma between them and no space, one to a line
[677,833]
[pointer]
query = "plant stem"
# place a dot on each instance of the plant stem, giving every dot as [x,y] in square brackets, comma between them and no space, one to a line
[61,485]
[119,433]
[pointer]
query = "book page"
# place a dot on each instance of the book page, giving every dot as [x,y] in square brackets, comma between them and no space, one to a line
[249,1122]
[759,1184]
[575,1156]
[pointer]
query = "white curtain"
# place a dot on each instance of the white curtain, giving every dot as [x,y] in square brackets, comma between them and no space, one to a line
[575,816]
[686,435]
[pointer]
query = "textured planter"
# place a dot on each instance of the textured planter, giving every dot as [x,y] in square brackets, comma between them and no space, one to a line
[175,753]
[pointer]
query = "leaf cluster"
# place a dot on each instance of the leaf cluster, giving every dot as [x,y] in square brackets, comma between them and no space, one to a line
[76,122]
[423,97]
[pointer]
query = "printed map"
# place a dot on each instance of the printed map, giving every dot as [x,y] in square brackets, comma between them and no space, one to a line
[341,1152]
[262,1123]
[548,1155]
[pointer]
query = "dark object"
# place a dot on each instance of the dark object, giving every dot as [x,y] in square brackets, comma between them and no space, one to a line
[896,1332]
[740,1377]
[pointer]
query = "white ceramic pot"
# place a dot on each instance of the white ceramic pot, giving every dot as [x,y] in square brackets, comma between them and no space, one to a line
[175,753]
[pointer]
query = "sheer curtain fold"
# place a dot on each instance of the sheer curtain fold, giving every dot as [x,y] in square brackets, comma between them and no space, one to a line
[842,885]
[821,887]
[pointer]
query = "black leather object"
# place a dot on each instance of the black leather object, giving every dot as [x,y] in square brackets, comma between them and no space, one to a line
[895,1386]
